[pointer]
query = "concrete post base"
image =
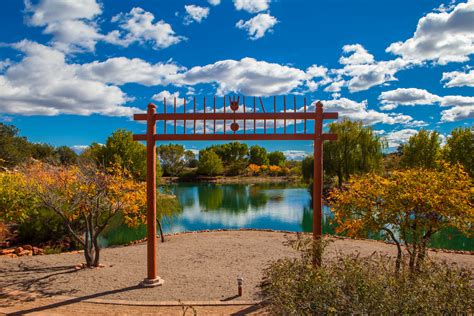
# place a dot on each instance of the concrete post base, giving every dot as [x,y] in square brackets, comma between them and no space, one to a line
[152,282]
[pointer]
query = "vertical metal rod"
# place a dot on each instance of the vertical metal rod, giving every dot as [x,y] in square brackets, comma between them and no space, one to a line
[294,110]
[305,112]
[284,110]
[234,110]
[204,113]
[151,194]
[175,113]
[164,110]
[317,182]
[274,111]
[225,121]
[214,103]
[254,111]
[245,121]
[184,111]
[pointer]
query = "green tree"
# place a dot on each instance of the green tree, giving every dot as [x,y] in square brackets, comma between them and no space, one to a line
[356,150]
[460,148]
[174,158]
[120,149]
[258,155]
[13,148]
[307,168]
[66,155]
[210,163]
[234,156]
[44,152]
[276,158]
[422,150]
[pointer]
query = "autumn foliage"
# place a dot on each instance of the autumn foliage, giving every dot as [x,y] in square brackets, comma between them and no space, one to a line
[410,206]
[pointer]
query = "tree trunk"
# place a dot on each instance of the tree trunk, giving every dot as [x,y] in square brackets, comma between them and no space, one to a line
[96,251]
[398,262]
[161,230]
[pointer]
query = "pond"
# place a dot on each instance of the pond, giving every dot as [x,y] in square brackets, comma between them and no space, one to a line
[261,206]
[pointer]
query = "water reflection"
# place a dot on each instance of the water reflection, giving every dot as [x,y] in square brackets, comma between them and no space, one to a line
[261,206]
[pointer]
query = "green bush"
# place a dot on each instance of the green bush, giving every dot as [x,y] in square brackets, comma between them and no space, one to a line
[356,285]
[44,227]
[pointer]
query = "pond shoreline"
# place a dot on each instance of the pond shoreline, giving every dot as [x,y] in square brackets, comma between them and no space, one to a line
[287,232]
[230,180]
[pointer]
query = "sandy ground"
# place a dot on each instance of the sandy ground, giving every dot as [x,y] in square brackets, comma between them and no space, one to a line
[195,267]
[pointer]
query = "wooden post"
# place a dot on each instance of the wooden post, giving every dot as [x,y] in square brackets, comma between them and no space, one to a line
[318,182]
[152,277]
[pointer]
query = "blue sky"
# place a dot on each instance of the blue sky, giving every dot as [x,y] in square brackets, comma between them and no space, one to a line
[72,72]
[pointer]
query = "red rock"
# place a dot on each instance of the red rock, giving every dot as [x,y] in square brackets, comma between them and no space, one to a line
[25,253]
[18,250]
[37,251]
[4,252]
[27,247]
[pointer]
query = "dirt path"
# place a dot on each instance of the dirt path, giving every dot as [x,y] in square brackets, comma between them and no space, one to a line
[195,267]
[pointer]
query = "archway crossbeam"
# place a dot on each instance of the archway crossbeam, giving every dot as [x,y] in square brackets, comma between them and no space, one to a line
[234,121]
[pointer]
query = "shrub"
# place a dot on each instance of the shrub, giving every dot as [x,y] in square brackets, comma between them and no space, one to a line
[253,169]
[356,285]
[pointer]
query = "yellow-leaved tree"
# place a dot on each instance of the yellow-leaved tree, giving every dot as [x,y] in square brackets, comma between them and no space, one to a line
[410,206]
[87,198]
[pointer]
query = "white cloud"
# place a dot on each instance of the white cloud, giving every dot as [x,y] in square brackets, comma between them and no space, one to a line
[140,28]
[462,106]
[358,111]
[121,70]
[258,25]
[52,11]
[457,113]
[195,13]
[315,71]
[214,2]
[358,55]
[457,100]
[252,6]
[295,154]
[365,76]
[361,71]
[247,76]
[168,95]
[411,96]
[458,79]
[335,86]
[69,22]
[396,138]
[79,148]
[43,83]
[441,37]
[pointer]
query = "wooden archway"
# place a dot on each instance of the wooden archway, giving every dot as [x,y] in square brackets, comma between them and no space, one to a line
[248,114]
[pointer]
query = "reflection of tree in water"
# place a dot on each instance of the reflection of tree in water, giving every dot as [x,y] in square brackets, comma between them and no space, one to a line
[210,197]
[451,238]
[307,220]
[184,192]
[233,198]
